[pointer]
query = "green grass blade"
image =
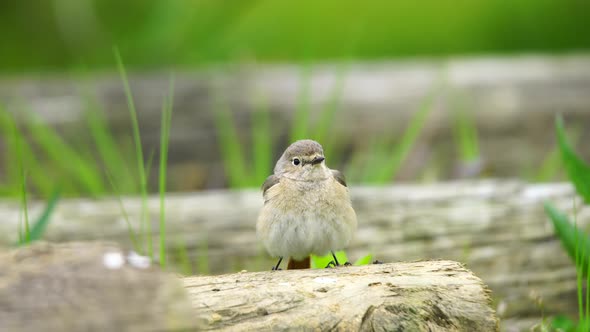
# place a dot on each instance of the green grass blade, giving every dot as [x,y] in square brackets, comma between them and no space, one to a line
[38,178]
[375,161]
[25,208]
[549,167]
[574,241]
[203,254]
[301,115]
[577,170]
[40,225]
[17,140]
[234,161]
[21,236]
[71,163]
[164,140]
[465,132]
[108,148]
[579,260]
[183,259]
[130,231]
[320,262]
[146,228]
[403,148]
[261,143]
[364,260]
[328,113]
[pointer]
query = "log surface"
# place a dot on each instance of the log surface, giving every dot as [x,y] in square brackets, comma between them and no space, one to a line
[512,99]
[497,228]
[416,296]
[87,287]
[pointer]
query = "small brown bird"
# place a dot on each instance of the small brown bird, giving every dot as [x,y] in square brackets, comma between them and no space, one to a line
[307,207]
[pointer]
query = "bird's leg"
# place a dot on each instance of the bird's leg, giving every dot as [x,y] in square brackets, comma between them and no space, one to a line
[335,259]
[276,267]
[335,262]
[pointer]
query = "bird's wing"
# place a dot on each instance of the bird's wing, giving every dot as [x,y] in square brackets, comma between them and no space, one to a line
[269,182]
[339,177]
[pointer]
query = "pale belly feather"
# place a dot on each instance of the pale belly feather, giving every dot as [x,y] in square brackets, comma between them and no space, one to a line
[309,218]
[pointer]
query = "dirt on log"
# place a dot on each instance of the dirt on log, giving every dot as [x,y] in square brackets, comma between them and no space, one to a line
[415,296]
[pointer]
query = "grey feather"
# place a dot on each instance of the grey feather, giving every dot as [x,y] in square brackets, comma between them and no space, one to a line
[339,177]
[269,182]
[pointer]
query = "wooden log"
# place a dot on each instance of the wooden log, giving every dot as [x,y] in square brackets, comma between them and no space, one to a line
[416,296]
[512,99]
[100,287]
[88,287]
[497,228]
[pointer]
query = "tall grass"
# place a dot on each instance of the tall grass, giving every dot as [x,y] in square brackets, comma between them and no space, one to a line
[382,160]
[26,235]
[109,150]
[145,222]
[262,146]
[164,141]
[247,164]
[300,121]
[465,131]
[67,158]
[575,242]
[55,165]
[232,151]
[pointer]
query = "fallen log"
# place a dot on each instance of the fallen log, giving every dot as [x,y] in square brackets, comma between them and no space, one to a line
[100,287]
[416,296]
[497,228]
[512,99]
[88,287]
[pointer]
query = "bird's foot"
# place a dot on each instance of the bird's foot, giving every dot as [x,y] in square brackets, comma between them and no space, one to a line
[333,264]
[276,267]
[377,262]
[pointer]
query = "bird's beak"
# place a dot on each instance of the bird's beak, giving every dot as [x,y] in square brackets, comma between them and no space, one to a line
[317,160]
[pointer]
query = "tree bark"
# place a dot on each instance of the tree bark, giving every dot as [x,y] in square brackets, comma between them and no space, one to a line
[513,101]
[415,296]
[497,228]
[88,287]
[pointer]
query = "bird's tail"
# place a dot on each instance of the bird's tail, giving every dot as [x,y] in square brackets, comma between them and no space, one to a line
[298,265]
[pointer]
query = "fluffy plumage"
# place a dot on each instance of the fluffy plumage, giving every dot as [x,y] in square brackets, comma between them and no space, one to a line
[307,207]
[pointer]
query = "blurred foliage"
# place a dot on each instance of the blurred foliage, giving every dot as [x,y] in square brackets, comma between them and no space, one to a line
[37,230]
[574,240]
[58,34]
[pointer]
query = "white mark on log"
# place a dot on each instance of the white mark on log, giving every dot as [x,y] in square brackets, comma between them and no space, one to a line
[138,261]
[285,284]
[113,260]
[325,280]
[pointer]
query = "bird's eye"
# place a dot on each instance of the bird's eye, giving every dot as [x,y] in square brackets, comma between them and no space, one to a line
[296,161]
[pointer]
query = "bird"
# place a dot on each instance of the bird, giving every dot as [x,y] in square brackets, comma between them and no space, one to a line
[307,208]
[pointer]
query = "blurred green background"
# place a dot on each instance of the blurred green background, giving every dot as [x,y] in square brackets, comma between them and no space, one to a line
[53,35]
